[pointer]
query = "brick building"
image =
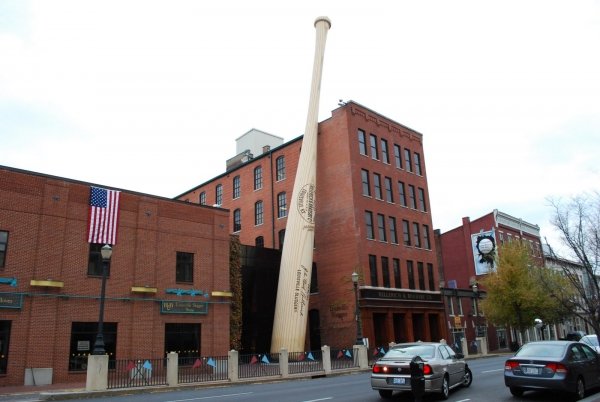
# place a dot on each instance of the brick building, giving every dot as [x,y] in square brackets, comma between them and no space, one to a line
[167,276]
[372,216]
[465,254]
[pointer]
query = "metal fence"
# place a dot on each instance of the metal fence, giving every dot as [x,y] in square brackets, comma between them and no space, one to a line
[305,362]
[375,353]
[137,373]
[201,369]
[258,365]
[343,359]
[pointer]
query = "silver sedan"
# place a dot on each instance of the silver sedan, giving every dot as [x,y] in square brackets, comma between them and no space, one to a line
[443,369]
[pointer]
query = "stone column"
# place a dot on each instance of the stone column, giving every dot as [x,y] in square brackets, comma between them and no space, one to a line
[172,369]
[97,373]
[232,365]
[284,369]
[326,359]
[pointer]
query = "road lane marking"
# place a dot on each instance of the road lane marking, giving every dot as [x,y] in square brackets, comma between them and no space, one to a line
[464,400]
[322,399]
[491,371]
[210,397]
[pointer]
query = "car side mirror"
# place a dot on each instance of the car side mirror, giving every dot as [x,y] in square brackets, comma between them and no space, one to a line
[459,355]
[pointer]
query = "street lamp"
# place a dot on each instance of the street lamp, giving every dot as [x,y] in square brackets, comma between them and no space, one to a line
[106,252]
[359,337]
[539,324]
[476,312]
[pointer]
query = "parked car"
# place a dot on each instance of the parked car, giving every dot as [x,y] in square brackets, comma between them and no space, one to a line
[443,369]
[591,341]
[553,365]
[575,335]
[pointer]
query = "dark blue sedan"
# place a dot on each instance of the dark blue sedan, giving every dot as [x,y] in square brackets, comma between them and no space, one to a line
[553,365]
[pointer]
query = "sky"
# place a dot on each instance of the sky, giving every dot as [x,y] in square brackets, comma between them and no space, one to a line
[150,96]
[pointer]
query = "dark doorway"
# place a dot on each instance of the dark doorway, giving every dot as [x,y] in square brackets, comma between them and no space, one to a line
[418,327]
[184,339]
[380,327]
[4,338]
[314,327]
[399,328]
[434,327]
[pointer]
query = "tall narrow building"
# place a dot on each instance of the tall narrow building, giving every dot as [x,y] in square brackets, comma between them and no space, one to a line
[372,217]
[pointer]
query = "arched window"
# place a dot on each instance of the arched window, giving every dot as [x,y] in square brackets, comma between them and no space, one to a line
[281,238]
[280,166]
[258,178]
[219,194]
[258,213]
[237,220]
[203,198]
[236,187]
[281,205]
[259,241]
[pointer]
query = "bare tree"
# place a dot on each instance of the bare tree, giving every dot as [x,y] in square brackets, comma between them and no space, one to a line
[578,223]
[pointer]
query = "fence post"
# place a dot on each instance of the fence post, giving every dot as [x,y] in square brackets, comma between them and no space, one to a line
[284,369]
[326,359]
[97,373]
[172,369]
[232,365]
[363,358]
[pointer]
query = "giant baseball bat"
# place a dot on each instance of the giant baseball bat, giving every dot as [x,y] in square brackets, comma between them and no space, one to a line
[291,308]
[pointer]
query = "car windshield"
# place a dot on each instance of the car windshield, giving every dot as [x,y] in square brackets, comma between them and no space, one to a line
[541,350]
[591,340]
[424,351]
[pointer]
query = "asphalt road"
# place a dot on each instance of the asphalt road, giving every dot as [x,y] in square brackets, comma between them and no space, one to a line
[488,386]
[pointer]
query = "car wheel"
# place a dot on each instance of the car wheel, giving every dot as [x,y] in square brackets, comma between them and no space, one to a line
[385,393]
[580,389]
[468,378]
[445,391]
[516,391]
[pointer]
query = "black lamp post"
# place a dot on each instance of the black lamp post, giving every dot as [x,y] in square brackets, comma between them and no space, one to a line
[359,337]
[476,312]
[106,252]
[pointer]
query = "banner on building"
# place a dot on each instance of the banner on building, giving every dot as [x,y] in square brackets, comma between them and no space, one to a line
[484,251]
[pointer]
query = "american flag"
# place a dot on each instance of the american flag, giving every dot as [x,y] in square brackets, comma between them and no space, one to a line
[104,216]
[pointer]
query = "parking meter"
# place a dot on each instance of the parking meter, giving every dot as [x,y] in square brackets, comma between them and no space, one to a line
[417,378]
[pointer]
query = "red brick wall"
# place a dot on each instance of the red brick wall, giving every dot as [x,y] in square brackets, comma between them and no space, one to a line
[46,218]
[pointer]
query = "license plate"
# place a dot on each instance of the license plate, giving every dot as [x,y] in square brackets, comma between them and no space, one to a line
[531,370]
[398,381]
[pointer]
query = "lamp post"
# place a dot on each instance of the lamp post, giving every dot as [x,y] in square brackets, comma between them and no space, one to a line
[106,252]
[359,337]
[539,324]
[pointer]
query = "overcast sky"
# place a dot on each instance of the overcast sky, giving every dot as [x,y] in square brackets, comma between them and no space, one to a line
[150,96]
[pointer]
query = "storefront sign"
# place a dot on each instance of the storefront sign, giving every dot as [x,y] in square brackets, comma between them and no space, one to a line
[399,295]
[183,307]
[11,300]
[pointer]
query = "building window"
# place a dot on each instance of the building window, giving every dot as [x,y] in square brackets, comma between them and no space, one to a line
[362,142]
[381,227]
[397,276]
[258,178]
[397,156]
[281,236]
[258,213]
[219,194]
[393,233]
[3,246]
[459,305]
[389,196]
[402,192]
[203,198]
[374,150]
[385,272]
[95,261]
[183,339]
[236,187]
[426,241]
[373,270]
[377,186]
[430,276]
[4,340]
[407,160]
[369,225]
[417,234]
[184,267]
[421,274]
[259,242]
[385,157]
[314,282]
[411,274]
[366,186]
[411,196]
[281,205]
[417,161]
[84,333]
[450,305]
[406,230]
[280,166]
[237,220]
[422,200]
